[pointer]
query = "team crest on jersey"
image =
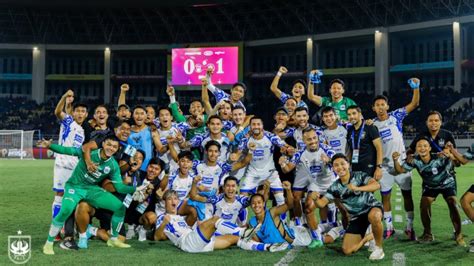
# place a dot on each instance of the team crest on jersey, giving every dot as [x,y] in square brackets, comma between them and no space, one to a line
[106,169]
[441,142]
[434,170]
[71,191]
[343,107]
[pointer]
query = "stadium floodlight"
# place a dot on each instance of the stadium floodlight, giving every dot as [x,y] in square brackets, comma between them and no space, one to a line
[107,49]
[377,31]
[35,48]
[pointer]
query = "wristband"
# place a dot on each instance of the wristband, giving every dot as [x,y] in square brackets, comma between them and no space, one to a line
[172,98]
[279,73]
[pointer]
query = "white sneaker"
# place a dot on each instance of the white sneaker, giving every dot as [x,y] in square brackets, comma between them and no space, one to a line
[250,232]
[278,247]
[130,232]
[377,254]
[371,245]
[141,233]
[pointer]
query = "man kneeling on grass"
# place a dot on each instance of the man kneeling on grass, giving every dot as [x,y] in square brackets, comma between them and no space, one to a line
[83,185]
[355,191]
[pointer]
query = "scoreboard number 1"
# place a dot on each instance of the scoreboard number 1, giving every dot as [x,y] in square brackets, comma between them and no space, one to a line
[189,66]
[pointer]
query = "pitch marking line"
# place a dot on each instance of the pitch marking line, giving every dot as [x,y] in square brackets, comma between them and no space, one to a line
[289,257]
[398,259]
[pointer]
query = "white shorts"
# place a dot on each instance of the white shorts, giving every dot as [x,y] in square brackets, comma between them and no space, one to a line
[321,189]
[251,182]
[60,177]
[195,242]
[402,180]
[302,236]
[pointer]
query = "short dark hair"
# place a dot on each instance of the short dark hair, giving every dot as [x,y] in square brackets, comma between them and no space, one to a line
[241,84]
[156,160]
[354,107]
[164,108]
[237,107]
[255,117]
[142,152]
[338,156]
[139,107]
[212,143]
[328,109]
[103,106]
[111,137]
[336,81]
[308,129]
[433,112]
[150,106]
[231,178]
[186,154]
[119,123]
[291,98]
[423,138]
[379,97]
[256,195]
[195,100]
[301,108]
[213,117]
[79,105]
[299,81]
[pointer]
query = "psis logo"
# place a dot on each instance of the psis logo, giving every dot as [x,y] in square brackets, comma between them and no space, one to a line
[19,248]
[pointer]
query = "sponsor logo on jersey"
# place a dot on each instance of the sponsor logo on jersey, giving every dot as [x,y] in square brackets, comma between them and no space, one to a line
[207,180]
[315,169]
[258,152]
[335,143]
[226,216]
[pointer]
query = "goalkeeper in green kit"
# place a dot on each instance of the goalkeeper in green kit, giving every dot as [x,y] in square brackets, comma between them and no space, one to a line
[84,186]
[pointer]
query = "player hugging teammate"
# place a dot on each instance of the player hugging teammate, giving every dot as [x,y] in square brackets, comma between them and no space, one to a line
[192,179]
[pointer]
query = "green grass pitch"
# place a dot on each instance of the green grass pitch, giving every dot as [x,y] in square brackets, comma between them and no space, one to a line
[25,204]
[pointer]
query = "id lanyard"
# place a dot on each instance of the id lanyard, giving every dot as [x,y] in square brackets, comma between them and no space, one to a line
[355,148]
[433,142]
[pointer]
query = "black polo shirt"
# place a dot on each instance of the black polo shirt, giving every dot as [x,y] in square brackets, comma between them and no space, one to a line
[367,151]
[438,143]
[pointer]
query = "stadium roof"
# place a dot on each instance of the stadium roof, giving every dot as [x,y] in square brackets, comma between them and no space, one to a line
[187,21]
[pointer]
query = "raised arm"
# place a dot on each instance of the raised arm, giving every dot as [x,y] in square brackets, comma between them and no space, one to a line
[286,165]
[60,107]
[177,115]
[457,156]
[316,99]
[163,221]
[274,87]
[205,96]
[123,93]
[415,100]
[86,150]
[277,210]
[244,162]
[193,194]
[398,167]
[48,144]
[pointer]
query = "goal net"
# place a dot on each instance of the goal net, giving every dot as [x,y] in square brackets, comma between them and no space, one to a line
[16,144]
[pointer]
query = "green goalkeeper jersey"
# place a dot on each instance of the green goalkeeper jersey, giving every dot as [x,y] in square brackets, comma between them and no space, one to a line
[105,168]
